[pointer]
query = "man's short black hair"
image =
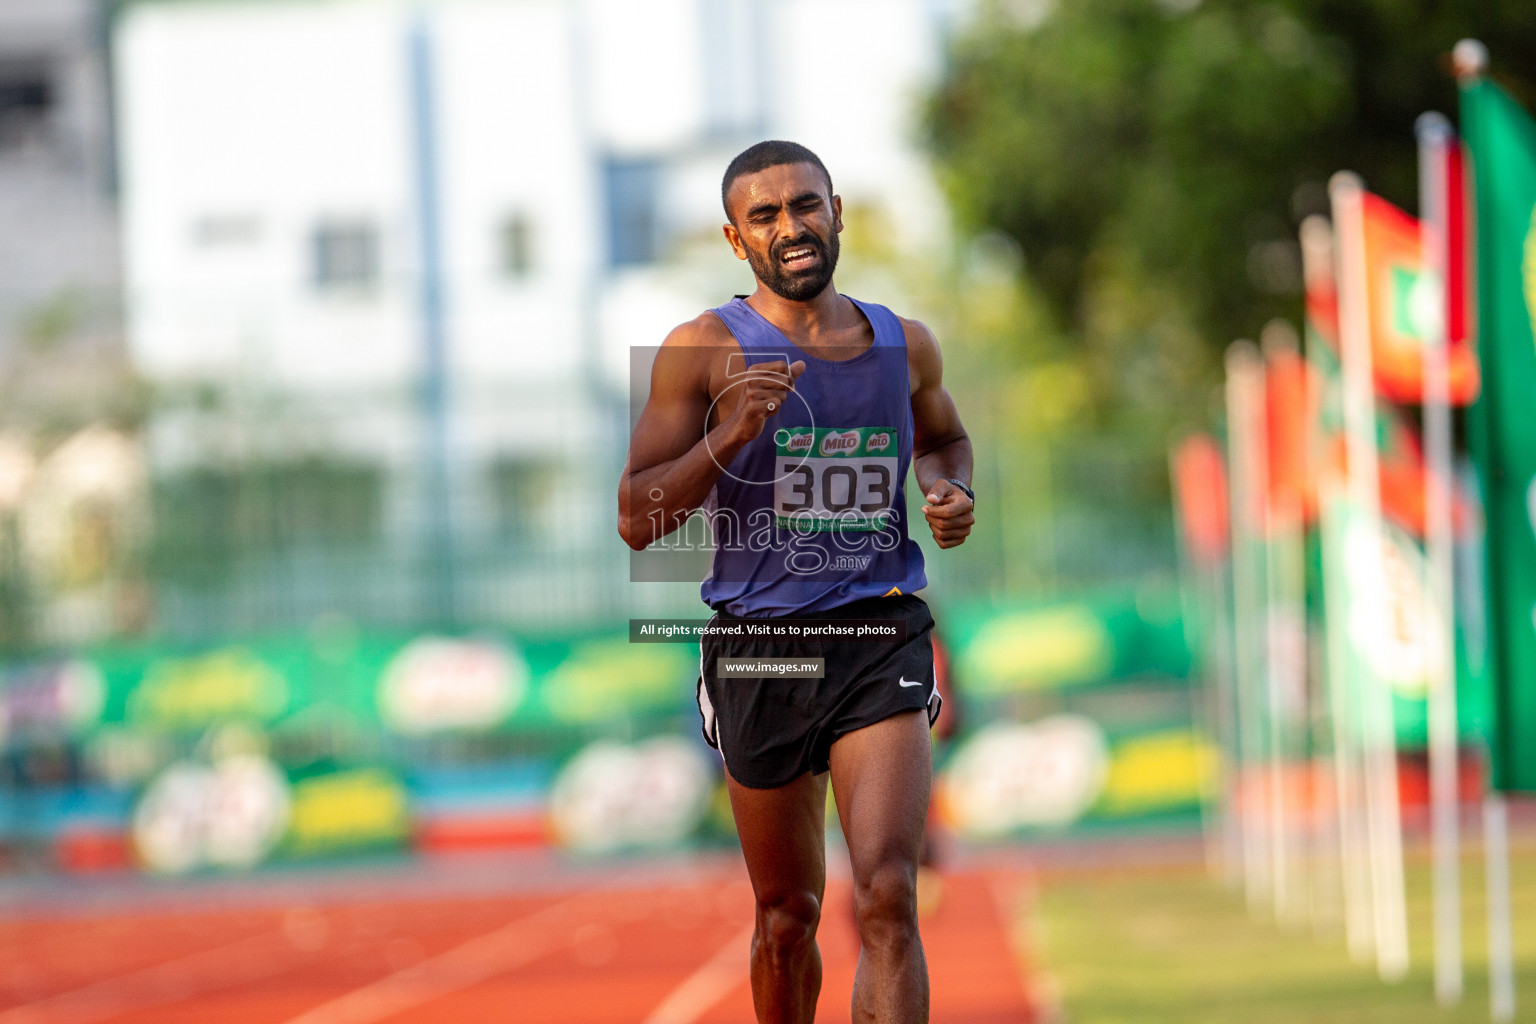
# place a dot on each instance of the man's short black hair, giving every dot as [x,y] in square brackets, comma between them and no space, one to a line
[765,154]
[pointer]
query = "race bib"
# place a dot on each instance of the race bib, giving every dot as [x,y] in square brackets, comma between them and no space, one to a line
[831,478]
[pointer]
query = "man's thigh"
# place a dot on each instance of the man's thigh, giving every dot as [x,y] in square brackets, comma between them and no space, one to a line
[881,776]
[783,837]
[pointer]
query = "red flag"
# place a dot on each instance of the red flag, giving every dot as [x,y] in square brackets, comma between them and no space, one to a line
[1200,488]
[1458,298]
[1290,412]
[1401,470]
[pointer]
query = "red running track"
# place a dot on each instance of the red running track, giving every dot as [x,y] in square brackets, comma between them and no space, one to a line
[671,952]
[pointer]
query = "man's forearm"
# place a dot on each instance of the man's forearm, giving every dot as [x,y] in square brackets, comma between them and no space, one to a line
[950,461]
[653,502]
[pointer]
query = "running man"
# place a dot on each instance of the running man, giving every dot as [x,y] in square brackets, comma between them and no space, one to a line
[790,416]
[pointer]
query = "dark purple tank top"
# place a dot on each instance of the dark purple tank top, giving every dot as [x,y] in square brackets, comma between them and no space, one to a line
[812,514]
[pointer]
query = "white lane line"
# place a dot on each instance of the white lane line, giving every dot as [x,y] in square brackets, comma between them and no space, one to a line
[234,963]
[705,987]
[1019,917]
[469,963]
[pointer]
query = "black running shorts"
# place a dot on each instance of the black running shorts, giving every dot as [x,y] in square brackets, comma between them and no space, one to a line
[771,731]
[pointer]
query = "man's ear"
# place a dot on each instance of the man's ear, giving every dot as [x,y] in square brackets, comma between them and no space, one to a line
[734,238]
[837,213]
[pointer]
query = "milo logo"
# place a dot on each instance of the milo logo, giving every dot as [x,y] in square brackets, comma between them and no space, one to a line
[878,442]
[839,444]
[800,442]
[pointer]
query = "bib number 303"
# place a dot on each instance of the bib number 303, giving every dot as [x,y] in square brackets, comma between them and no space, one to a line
[831,480]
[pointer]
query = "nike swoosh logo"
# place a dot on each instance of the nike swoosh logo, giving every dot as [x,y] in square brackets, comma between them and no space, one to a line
[908,682]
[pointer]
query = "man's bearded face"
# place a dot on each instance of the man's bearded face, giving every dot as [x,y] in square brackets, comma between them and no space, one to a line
[796,268]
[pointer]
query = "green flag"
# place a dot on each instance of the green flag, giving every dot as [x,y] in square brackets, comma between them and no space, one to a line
[1501,430]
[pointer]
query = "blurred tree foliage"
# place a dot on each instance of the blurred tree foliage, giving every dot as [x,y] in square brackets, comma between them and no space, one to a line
[1151,159]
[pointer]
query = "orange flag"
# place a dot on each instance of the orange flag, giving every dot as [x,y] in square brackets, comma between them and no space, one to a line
[1200,488]
[1403,300]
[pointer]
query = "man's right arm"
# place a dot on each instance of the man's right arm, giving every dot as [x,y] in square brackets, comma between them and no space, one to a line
[674,458]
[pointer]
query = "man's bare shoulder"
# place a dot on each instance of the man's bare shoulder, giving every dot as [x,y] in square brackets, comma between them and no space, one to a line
[917,333]
[694,354]
[704,331]
[924,363]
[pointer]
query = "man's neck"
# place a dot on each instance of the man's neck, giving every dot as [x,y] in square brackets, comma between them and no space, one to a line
[805,319]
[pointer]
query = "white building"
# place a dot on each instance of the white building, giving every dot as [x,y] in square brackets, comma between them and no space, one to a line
[297,175]
[58,222]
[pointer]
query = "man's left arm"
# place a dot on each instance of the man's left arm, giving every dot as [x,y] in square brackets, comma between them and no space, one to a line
[941,449]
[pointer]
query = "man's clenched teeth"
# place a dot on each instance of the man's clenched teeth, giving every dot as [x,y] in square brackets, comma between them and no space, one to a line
[797,256]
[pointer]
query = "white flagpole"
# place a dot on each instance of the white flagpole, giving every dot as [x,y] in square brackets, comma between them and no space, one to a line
[1354,870]
[1435,137]
[1194,599]
[1245,395]
[1225,710]
[1367,592]
[1501,947]
[1285,676]
[1215,583]
[1348,762]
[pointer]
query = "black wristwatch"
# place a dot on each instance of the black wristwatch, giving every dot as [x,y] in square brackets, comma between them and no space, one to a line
[968,492]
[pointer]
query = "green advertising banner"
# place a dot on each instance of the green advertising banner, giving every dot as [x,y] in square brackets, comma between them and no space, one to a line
[411,686]
[1030,647]
[1501,431]
[1076,714]
[342,741]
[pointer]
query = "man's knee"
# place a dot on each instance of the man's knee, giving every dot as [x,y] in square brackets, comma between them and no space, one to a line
[885,903]
[786,927]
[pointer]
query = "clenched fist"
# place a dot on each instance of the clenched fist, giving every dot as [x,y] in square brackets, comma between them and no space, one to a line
[949,514]
[762,395]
